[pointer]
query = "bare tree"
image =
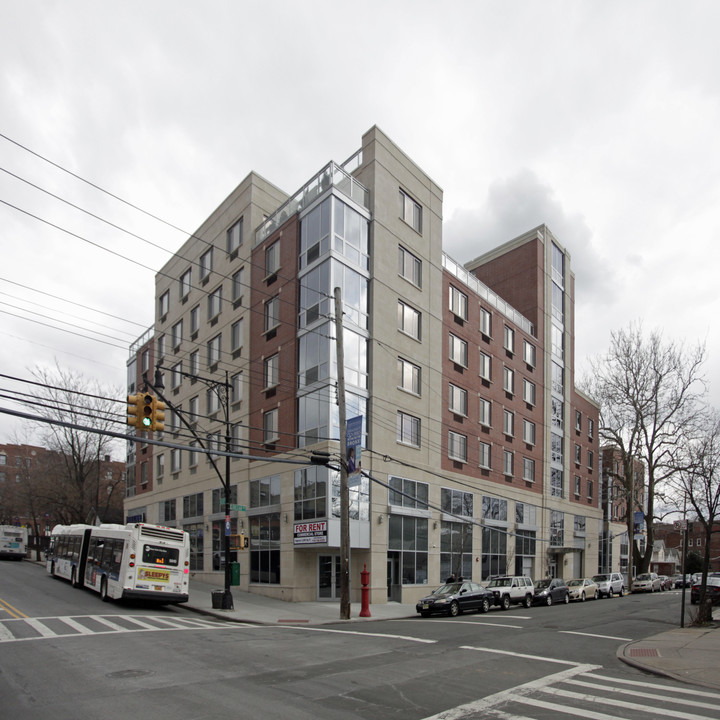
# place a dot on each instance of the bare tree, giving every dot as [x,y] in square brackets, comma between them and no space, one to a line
[649,391]
[75,486]
[698,480]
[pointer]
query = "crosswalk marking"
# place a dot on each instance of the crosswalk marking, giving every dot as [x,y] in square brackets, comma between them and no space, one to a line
[85,625]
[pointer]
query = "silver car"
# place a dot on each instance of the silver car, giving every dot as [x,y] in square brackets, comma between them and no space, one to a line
[610,584]
[647,582]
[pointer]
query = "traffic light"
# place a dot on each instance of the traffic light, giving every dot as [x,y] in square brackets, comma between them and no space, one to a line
[147,409]
[158,415]
[134,411]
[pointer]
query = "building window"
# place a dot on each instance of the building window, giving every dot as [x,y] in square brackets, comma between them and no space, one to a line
[272,258]
[528,470]
[185,283]
[578,454]
[176,335]
[272,313]
[214,350]
[579,524]
[409,267]
[236,335]
[508,463]
[590,459]
[494,552]
[214,303]
[509,339]
[265,549]
[176,376]
[485,322]
[484,455]
[193,505]
[193,409]
[578,420]
[529,353]
[508,380]
[160,466]
[455,549]
[265,492]
[409,376]
[175,460]
[458,303]
[494,508]
[194,362]
[528,392]
[578,486]
[458,351]
[270,426]
[197,535]
[409,320]
[194,319]
[407,493]
[457,446]
[164,303]
[408,429]
[206,264]
[236,393]
[458,400]
[145,360]
[591,427]
[557,528]
[408,539]
[310,498]
[485,366]
[410,212]
[235,236]
[528,432]
[589,489]
[271,370]
[485,412]
[167,512]
[237,287]
[556,482]
[509,422]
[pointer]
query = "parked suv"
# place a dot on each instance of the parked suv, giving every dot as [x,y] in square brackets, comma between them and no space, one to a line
[512,589]
[610,584]
[551,590]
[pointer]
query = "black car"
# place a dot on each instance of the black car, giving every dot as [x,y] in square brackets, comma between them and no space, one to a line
[454,598]
[550,590]
[712,590]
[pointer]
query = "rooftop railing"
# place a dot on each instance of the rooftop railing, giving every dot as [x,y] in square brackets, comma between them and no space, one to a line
[331,175]
[487,294]
[145,337]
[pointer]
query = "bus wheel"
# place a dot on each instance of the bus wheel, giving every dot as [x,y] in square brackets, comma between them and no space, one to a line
[104,590]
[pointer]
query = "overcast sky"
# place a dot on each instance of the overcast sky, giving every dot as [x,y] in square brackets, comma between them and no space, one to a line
[601,119]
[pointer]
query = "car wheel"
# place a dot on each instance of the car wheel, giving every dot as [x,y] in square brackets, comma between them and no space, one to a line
[548,600]
[582,597]
[596,595]
[527,602]
[484,606]
[505,602]
[454,608]
[567,598]
[609,593]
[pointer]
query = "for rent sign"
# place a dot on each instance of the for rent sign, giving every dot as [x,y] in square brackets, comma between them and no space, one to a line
[310,533]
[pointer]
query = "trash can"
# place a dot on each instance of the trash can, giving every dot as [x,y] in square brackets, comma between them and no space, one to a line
[217,599]
[235,573]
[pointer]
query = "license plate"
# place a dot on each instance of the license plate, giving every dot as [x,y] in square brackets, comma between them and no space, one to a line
[426,606]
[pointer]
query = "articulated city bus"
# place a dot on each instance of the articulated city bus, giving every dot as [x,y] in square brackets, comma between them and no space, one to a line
[13,542]
[137,560]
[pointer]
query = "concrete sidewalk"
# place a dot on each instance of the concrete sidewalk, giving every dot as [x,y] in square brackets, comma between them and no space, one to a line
[260,610]
[691,655]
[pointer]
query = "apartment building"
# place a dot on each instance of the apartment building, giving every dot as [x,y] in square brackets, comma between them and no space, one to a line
[462,374]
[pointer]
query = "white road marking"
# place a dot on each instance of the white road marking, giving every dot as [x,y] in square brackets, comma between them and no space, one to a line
[475,622]
[656,686]
[529,657]
[312,628]
[604,637]
[82,629]
[40,627]
[514,693]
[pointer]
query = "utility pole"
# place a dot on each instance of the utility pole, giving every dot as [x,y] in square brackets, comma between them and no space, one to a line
[344,490]
[684,545]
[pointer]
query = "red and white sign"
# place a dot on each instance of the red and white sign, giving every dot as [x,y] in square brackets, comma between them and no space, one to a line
[310,533]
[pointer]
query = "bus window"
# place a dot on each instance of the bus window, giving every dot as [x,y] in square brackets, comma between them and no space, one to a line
[158,555]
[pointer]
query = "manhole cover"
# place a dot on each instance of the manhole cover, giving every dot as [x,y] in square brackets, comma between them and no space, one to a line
[123,674]
[644,652]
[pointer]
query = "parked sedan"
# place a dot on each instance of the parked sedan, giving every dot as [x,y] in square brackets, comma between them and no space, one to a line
[454,598]
[665,582]
[550,590]
[646,582]
[682,581]
[712,591]
[583,589]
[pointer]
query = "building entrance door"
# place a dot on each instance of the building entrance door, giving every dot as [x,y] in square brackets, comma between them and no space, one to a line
[394,589]
[328,577]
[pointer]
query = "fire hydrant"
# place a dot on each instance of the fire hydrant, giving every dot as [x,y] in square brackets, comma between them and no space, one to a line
[365,592]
